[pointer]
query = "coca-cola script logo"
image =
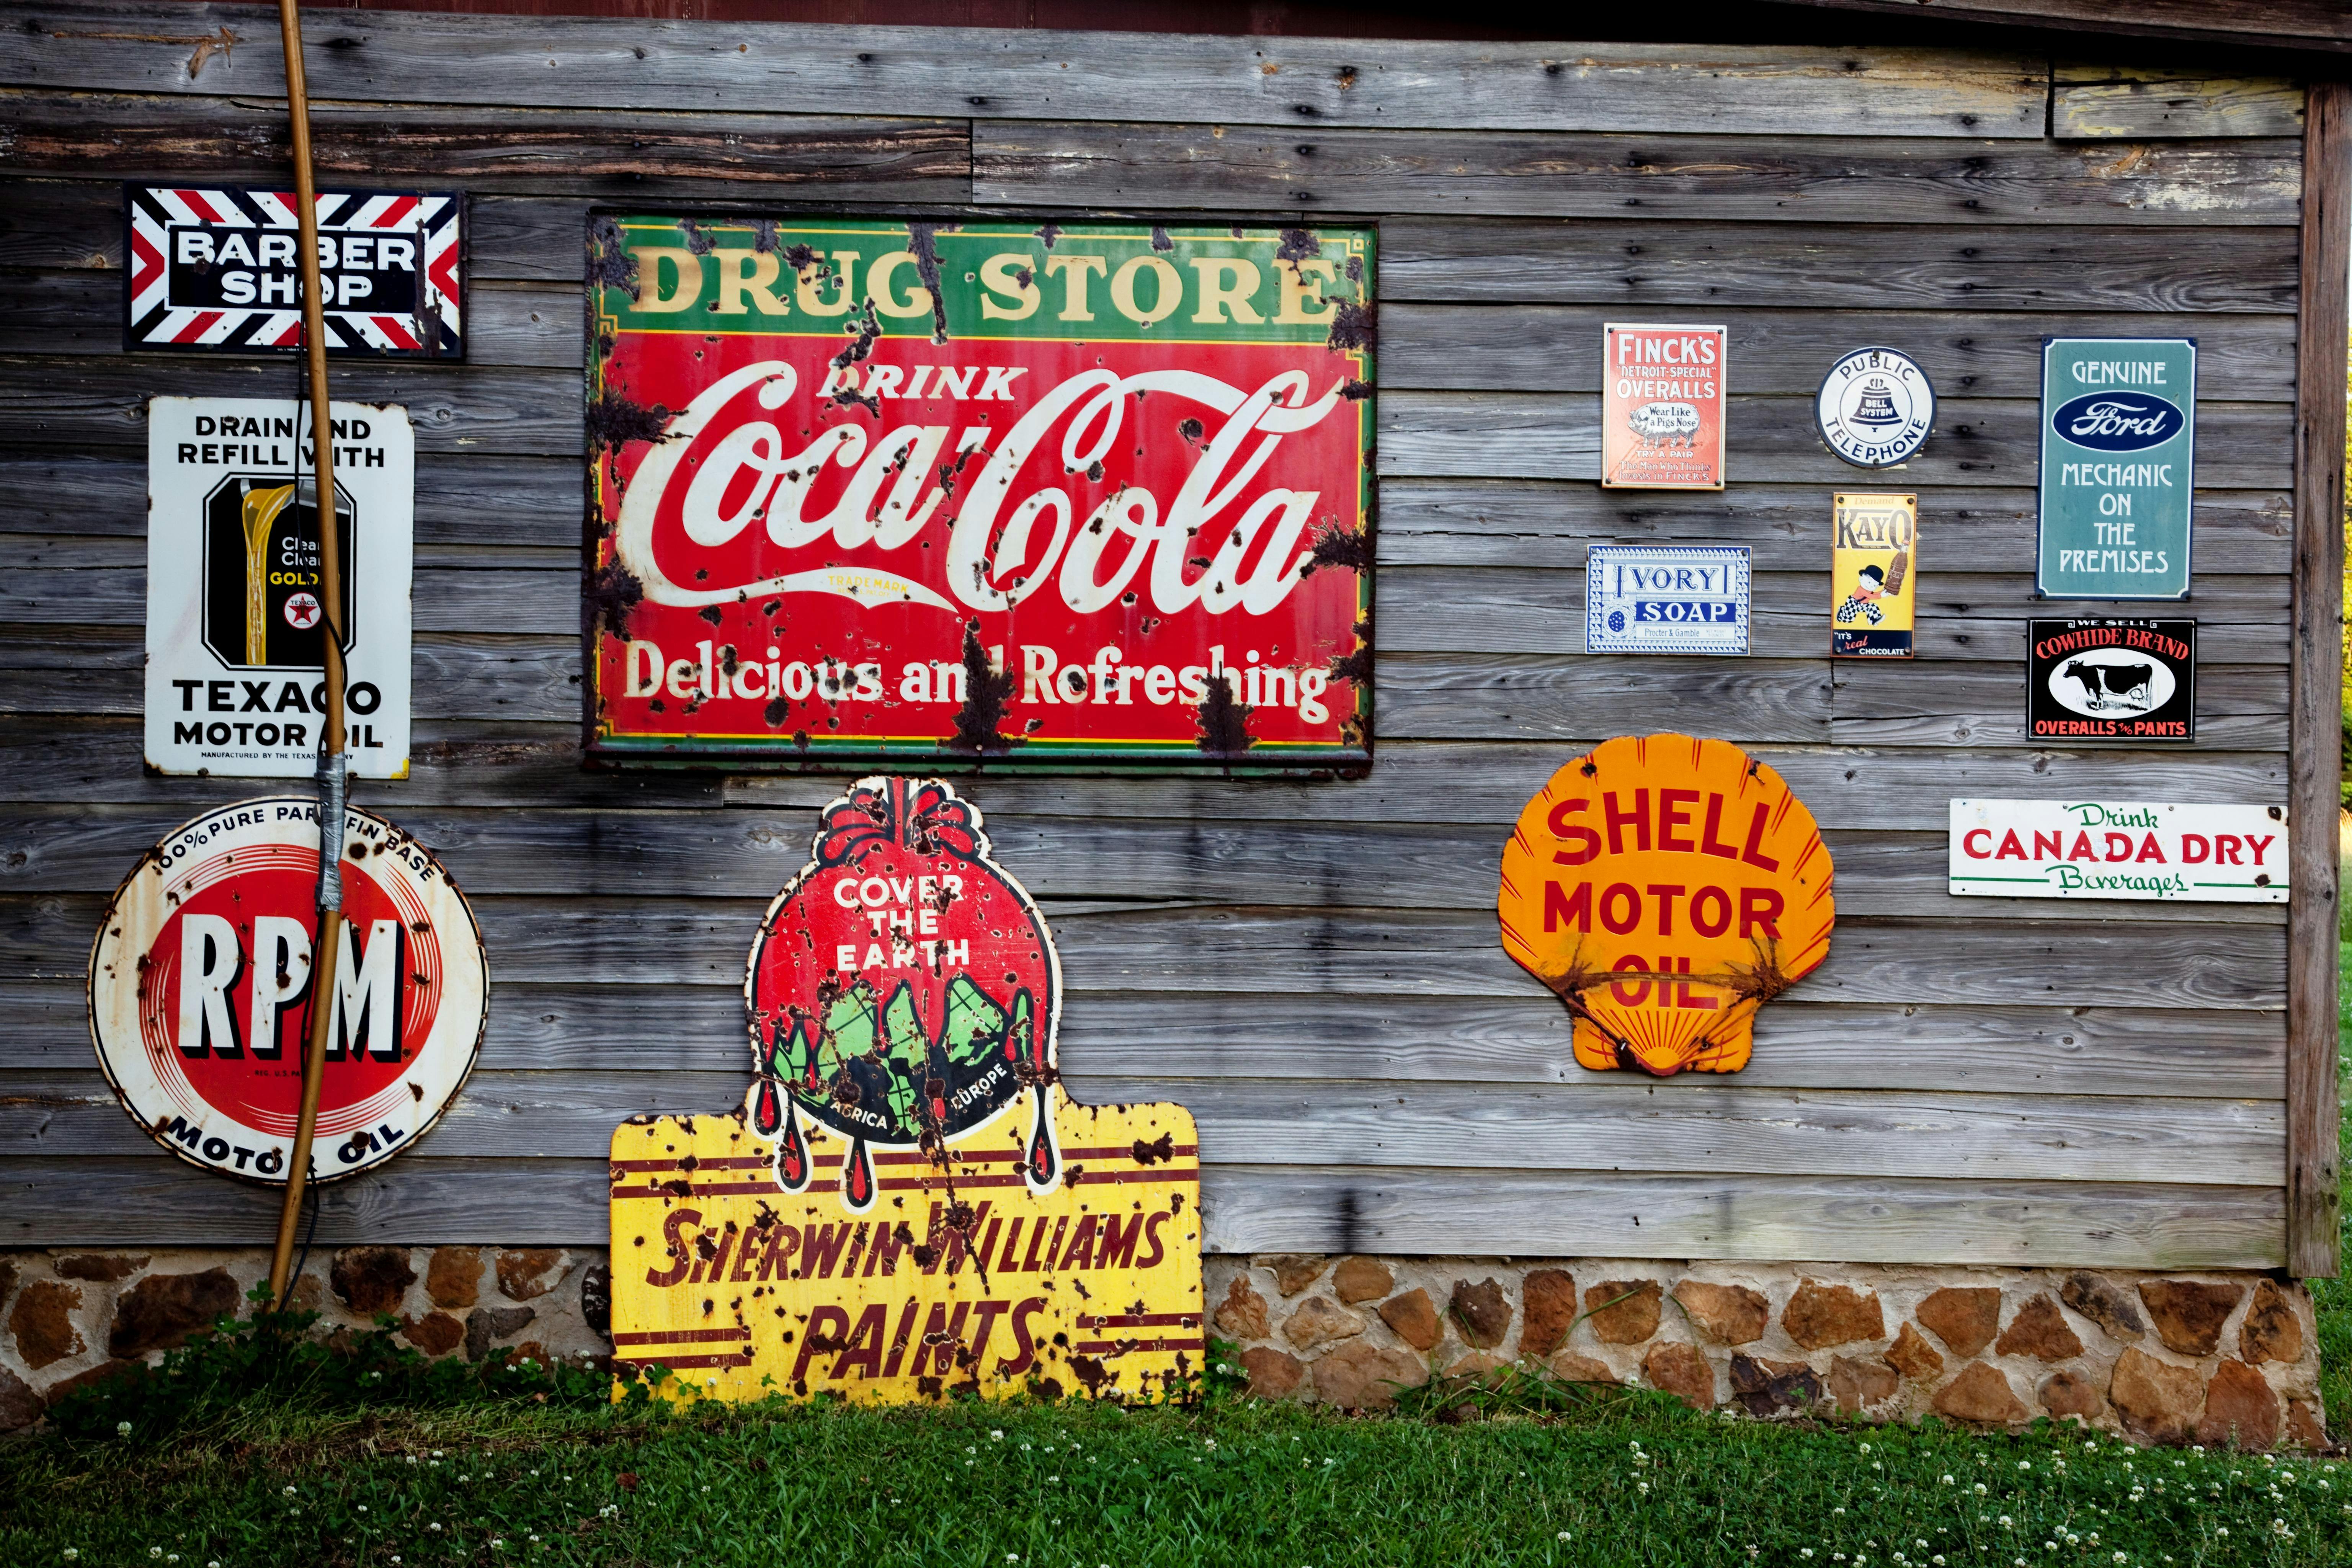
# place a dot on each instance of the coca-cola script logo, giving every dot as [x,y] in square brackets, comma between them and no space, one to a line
[739,469]
[2119,422]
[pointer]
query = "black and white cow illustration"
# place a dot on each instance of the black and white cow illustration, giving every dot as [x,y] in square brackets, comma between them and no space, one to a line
[2113,685]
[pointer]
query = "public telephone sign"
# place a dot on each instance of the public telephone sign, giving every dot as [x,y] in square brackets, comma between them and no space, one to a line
[870,488]
[2119,461]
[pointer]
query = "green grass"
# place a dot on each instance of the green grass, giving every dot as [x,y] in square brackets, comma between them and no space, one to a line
[1631,1479]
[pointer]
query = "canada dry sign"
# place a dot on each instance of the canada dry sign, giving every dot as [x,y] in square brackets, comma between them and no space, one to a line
[868,488]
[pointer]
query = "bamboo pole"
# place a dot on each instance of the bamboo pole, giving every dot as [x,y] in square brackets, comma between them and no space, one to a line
[327,950]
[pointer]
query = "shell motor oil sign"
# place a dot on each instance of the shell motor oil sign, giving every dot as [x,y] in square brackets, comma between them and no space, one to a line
[202,987]
[1666,888]
[905,1204]
[868,488]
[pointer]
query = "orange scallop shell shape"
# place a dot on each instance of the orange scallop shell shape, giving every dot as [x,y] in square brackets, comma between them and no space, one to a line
[1665,887]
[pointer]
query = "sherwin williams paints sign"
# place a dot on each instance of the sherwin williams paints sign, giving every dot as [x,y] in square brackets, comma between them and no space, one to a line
[2118,448]
[906,1204]
[868,489]
[2118,849]
[1665,888]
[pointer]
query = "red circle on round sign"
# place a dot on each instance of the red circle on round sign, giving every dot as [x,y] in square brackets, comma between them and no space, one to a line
[302,611]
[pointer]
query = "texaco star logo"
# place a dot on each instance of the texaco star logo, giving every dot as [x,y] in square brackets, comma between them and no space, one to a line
[302,611]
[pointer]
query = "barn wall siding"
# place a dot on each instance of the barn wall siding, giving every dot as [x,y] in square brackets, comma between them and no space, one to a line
[1311,968]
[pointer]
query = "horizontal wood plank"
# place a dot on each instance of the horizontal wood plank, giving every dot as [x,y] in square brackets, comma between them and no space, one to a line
[155,1200]
[1595,1123]
[1984,705]
[1533,525]
[580,151]
[2146,104]
[1977,441]
[1631,264]
[989,73]
[1169,1038]
[1724,179]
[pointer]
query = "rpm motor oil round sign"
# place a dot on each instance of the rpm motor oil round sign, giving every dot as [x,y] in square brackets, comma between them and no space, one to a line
[201,987]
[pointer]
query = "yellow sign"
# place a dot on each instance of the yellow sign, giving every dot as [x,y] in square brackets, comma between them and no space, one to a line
[1876,577]
[1666,888]
[906,1204]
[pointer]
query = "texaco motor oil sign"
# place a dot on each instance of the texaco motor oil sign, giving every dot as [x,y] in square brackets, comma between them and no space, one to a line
[906,1204]
[868,488]
[235,631]
[201,989]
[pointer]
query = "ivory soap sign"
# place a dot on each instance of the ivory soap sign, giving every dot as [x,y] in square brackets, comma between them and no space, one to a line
[1661,406]
[906,1204]
[866,488]
[2108,849]
[235,631]
[1665,888]
[2118,466]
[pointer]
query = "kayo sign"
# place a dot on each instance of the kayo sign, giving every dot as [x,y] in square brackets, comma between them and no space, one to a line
[2110,849]
[200,990]
[1666,888]
[906,1204]
[873,489]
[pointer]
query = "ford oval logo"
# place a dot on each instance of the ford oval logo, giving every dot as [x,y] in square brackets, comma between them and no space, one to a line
[2117,421]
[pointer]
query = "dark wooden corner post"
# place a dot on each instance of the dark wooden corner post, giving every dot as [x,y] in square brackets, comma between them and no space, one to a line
[2316,701]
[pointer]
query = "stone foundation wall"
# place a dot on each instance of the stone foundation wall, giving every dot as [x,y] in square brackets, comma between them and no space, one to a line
[2206,1358]
[70,1317]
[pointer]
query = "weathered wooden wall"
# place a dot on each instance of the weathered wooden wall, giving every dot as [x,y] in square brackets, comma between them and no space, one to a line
[1313,968]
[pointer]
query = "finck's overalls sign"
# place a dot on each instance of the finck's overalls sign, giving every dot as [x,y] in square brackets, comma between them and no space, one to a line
[872,488]
[2118,448]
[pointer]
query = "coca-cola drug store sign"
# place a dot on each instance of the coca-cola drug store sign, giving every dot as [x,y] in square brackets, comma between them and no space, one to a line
[872,488]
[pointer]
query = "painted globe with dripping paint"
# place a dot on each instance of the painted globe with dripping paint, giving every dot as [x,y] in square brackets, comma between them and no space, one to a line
[902,992]
[1665,887]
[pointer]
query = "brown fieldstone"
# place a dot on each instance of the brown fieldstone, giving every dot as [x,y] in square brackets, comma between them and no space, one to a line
[2106,1303]
[454,1276]
[2156,1400]
[1761,1388]
[43,1323]
[435,1333]
[534,1271]
[2240,1408]
[531,1352]
[2070,1393]
[1273,1373]
[1360,1376]
[1569,1367]
[372,1279]
[2270,1331]
[1243,1312]
[1980,1394]
[20,1406]
[1361,1279]
[161,1310]
[1413,1317]
[2304,1429]
[596,1298]
[1820,1316]
[1476,1366]
[1547,1311]
[1481,1312]
[1293,1271]
[2188,1313]
[1319,1322]
[1727,1315]
[104,1371]
[309,1294]
[1964,1318]
[1912,1356]
[2039,1331]
[98,1267]
[1681,1371]
[484,1324]
[1855,1384]
[1624,1311]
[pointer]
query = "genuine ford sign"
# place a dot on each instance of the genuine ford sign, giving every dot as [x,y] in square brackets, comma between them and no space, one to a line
[2117,421]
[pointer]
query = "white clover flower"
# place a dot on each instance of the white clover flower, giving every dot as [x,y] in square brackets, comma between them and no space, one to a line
[1804,1552]
[996,1437]
[2222,1529]
[363,1508]
[1866,1448]
[154,1551]
[1979,1489]
[2025,1463]
[2123,1557]
[1948,1481]
[1836,1512]
[435,1527]
[1563,1534]
[74,1551]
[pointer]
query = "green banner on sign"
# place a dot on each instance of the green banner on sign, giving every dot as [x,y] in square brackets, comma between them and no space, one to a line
[2119,445]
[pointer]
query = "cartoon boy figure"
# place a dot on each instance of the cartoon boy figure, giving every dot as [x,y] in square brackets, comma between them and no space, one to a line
[1869,587]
